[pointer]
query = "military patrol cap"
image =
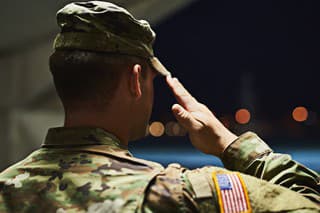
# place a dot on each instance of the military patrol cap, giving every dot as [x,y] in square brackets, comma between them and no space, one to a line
[105,27]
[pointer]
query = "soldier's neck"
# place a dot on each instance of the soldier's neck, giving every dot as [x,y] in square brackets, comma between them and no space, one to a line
[111,122]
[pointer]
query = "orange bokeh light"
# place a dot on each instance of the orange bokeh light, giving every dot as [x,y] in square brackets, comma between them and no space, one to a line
[156,129]
[243,116]
[300,114]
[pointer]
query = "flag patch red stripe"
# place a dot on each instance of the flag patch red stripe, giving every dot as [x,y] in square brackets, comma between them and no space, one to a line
[232,195]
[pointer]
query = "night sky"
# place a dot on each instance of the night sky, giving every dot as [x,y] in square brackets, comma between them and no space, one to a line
[214,47]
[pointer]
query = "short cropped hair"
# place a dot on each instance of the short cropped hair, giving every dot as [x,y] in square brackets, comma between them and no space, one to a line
[85,78]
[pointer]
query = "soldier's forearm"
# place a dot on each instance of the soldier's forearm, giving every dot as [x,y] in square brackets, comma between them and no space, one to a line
[250,155]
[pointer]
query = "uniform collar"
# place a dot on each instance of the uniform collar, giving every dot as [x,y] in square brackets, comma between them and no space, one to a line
[80,136]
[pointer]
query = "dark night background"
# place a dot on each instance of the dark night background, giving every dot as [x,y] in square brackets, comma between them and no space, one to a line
[260,55]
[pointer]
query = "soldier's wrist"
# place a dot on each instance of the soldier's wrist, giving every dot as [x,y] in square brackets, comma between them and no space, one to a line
[228,142]
[239,154]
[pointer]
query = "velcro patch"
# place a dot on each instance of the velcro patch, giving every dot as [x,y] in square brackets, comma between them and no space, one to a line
[232,193]
[199,184]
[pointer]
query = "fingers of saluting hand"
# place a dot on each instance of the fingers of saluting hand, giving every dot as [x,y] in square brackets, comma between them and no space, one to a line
[182,95]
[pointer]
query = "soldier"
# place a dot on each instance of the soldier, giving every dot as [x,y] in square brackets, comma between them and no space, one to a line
[103,68]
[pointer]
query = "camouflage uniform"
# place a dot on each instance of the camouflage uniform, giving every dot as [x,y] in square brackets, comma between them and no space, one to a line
[87,170]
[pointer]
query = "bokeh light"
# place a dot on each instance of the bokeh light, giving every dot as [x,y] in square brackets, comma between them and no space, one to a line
[175,129]
[156,129]
[243,116]
[300,114]
[169,128]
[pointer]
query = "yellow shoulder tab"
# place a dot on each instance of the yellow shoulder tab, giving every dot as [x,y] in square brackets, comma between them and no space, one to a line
[231,192]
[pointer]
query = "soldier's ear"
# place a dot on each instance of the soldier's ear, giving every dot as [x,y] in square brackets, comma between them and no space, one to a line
[135,84]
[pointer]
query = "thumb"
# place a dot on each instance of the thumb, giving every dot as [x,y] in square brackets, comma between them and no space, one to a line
[183,116]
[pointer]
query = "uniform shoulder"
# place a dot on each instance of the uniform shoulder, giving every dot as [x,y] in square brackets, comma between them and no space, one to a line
[152,164]
[179,189]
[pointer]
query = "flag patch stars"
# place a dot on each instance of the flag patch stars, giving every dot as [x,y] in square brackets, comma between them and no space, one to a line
[232,193]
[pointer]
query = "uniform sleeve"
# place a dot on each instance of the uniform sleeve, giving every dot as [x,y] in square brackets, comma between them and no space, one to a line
[185,194]
[168,193]
[250,155]
[197,191]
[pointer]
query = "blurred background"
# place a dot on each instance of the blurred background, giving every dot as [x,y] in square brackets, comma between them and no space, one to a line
[253,63]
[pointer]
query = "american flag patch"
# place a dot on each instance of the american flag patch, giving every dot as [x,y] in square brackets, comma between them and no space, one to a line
[232,193]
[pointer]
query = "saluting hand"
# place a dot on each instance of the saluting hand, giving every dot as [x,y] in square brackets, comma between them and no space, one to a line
[206,132]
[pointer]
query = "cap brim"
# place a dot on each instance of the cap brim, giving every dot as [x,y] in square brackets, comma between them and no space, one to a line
[158,66]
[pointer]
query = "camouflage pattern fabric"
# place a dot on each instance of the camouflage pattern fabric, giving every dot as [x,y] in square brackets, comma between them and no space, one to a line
[250,155]
[101,26]
[88,170]
[105,27]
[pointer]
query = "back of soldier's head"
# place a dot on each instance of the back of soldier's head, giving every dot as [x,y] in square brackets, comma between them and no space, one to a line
[89,78]
[98,42]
